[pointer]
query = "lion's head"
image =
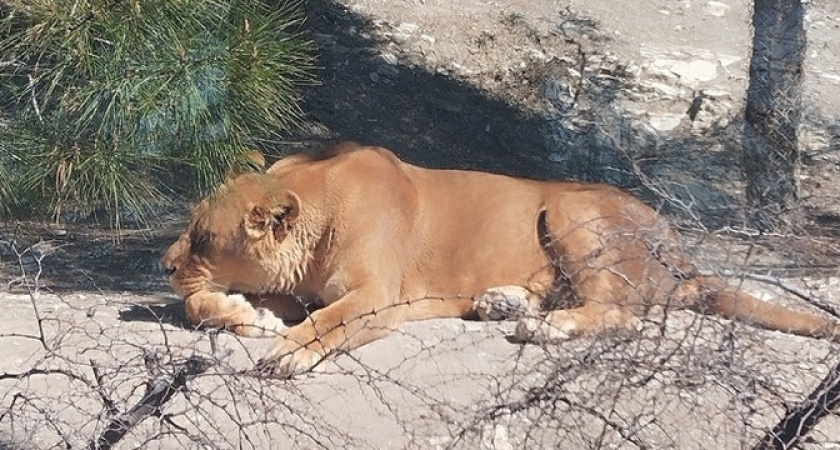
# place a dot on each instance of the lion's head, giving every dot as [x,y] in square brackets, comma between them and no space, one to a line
[248,237]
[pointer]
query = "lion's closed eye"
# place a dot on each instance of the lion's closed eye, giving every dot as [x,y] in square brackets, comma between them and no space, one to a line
[201,241]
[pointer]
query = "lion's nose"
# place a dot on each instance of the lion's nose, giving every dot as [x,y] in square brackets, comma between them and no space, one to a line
[166,267]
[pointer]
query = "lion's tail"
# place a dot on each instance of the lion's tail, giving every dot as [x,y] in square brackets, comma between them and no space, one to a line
[720,298]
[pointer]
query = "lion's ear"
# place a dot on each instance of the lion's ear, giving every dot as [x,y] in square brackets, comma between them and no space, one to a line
[277,219]
[284,214]
[257,221]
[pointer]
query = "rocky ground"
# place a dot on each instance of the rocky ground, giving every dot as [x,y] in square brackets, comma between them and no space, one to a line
[544,89]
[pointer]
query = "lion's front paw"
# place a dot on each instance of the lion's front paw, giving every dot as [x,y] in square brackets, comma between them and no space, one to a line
[288,358]
[263,324]
[232,312]
[539,330]
[504,302]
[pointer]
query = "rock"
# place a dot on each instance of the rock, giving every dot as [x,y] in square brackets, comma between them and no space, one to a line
[830,77]
[388,58]
[463,70]
[428,38]
[537,55]
[701,53]
[716,94]
[380,23]
[814,140]
[558,93]
[664,89]
[497,440]
[577,28]
[402,33]
[665,121]
[474,325]
[632,70]
[829,446]
[407,28]
[439,441]
[387,70]
[58,232]
[717,9]
[695,71]
[398,38]
[728,60]
[661,68]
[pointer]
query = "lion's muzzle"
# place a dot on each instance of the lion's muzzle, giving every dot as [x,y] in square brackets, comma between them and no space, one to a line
[174,256]
[166,267]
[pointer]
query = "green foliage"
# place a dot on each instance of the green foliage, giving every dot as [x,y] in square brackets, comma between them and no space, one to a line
[112,103]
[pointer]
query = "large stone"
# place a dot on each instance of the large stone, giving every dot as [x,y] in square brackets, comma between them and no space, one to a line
[407,28]
[717,9]
[694,72]
[665,121]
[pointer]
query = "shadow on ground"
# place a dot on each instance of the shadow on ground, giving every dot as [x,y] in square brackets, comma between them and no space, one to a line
[169,313]
[85,257]
[426,118]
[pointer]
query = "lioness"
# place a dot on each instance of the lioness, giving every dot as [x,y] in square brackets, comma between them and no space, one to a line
[375,241]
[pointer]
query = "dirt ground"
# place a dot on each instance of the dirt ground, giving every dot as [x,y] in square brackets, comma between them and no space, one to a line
[461,84]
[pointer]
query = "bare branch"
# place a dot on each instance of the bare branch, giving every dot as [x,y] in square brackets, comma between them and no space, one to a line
[158,392]
[799,421]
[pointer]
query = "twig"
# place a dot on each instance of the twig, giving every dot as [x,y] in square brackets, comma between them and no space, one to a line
[32,95]
[158,392]
[798,422]
[33,290]
[100,389]
[36,371]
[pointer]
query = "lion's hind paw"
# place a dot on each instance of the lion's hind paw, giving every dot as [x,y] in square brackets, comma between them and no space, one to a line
[504,302]
[540,330]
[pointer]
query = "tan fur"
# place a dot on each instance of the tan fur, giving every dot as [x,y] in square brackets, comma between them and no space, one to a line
[376,242]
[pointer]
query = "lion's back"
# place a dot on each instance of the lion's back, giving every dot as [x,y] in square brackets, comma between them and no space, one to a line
[331,156]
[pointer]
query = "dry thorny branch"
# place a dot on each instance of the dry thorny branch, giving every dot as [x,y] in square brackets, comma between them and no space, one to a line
[80,372]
